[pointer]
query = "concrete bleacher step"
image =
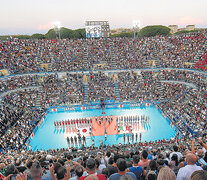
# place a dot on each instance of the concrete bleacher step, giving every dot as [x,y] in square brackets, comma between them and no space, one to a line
[160,89]
[49,67]
[38,99]
[117,91]
[85,85]
[113,59]
[85,58]
[147,64]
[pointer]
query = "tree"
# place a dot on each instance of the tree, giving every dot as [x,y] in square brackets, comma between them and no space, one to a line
[23,37]
[154,31]
[4,37]
[123,34]
[185,31]
[51,34]
[80,33]
[66,33]
[38,36]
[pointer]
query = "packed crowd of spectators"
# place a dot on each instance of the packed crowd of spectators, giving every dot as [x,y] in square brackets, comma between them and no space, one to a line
[22,98]
[185,106]
[187,111]
[163,160]
[62,91]
[15,138]
[12,83]
[17,119]
[201,64]
[101,86]
[179,51]
[193,77]
[24,56]
[137,87]
[99,51]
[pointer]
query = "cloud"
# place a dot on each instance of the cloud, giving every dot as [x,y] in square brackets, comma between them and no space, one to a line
[187,20]
[47,26]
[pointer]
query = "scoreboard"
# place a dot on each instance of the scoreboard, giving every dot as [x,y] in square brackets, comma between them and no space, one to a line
[97,29]
[93,31]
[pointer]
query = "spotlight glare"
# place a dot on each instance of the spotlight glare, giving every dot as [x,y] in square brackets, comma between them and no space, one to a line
[57,24]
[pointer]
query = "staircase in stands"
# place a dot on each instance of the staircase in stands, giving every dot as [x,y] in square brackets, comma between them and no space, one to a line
[85,60]
[117,91]
[160,87]
[113,59]
[85,85]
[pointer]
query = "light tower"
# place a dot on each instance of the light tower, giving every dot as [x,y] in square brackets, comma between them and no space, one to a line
[57,29]
[136,27]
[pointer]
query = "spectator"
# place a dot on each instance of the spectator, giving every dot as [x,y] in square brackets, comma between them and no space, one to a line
[153,168]
[179,155]
[121,166]
[90,167]
[111,167]
[28,170]
[166,174]
[62,173]
[108,155]
[36,171]
[79,172]
[137,170]
[199,175]
[184,173]
[144,161]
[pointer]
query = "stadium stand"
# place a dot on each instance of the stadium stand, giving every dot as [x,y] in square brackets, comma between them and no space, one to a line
[169,69]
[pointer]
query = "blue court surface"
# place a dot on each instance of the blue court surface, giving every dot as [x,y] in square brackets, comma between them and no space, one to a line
[48,137]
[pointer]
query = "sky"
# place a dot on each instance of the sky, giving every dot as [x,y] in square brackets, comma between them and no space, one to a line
[38,16]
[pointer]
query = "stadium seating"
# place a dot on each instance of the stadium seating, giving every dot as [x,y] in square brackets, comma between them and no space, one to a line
[169,69]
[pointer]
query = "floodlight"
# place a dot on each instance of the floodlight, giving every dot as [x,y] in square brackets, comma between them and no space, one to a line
[136,24]
[57,24]
[136,27]
[57,27]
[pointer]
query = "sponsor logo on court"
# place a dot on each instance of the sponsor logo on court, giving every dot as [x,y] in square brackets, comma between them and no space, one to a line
[135,105]
[110,106]
[69,109]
